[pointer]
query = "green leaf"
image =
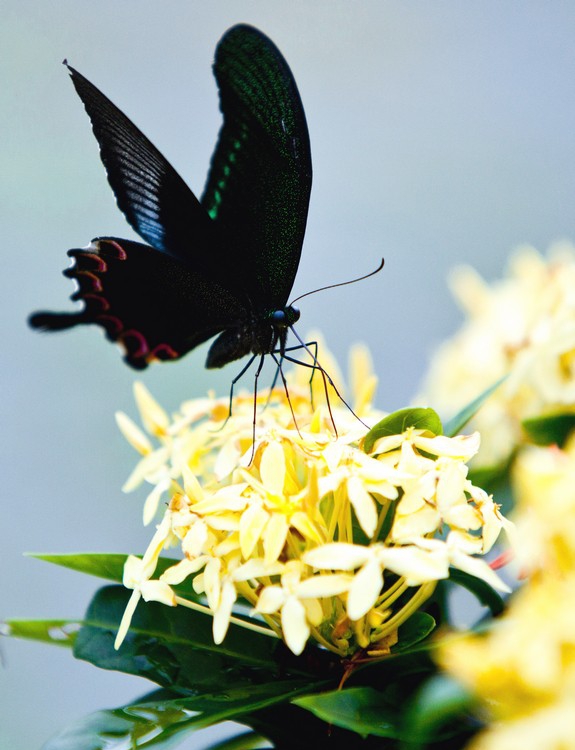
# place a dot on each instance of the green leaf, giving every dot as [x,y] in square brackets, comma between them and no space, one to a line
[413,631]
[480,589]
[119,729]
[174,647]
[163,724]
[55,632]
[247,741]
[491,478]
[454,425]
[399,421]
[109,566]
[438,711]
[359,709]
[553,429]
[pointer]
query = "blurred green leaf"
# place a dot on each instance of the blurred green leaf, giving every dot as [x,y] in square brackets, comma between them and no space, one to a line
[360,709]
[439,711]
[174,647]
[56,632]
[491,478]
[480,589]
[454,425]
[164,724]
[399,421]
[247,741]
[553,429]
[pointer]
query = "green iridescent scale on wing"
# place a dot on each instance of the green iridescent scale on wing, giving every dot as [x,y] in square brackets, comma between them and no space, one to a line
[259,183]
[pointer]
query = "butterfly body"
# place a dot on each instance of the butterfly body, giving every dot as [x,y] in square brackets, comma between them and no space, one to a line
[224,264]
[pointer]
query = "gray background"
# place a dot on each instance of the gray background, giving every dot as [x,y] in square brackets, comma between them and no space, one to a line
[441,132]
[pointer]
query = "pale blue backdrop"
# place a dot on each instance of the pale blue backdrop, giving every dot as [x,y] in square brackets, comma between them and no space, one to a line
[441,132]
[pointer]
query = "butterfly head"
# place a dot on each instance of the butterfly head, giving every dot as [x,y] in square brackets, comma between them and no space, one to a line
[284,317]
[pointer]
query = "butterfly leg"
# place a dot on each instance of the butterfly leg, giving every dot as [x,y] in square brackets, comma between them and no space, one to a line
[325,376]
[234,381]
[258,372]
[311,345]
[274,383]
[286,389]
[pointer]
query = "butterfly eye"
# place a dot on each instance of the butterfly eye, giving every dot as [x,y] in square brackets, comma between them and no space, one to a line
[279,318]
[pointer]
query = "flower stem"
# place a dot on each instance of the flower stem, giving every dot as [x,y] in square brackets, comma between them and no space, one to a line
[236,620]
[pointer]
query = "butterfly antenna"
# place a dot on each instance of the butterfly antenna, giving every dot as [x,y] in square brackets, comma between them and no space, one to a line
[342,283]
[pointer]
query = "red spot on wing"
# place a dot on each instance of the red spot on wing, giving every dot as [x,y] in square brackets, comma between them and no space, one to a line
[108,246]
[135,343]
[163,352]
[81,275]
[112,325]
[94,300]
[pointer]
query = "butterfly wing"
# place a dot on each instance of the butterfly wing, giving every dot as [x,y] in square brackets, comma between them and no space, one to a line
[259,183]
[151,304]
[155,200]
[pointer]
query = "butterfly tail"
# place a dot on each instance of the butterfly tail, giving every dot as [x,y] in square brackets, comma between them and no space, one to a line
[51,321]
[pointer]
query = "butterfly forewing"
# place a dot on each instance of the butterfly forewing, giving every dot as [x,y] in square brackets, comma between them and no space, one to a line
[155,200]
[259,184]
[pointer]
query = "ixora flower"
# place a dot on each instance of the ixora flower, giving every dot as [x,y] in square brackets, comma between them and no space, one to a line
[523,671]
[321,537]
[522,326]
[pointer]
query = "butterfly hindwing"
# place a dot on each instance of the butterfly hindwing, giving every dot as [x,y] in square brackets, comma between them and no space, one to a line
[154,306]
[259,183]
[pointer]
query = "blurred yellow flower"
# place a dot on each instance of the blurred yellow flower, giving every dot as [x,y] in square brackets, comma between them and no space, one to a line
[544,479]
[522,326]
[523,670]
[321,539]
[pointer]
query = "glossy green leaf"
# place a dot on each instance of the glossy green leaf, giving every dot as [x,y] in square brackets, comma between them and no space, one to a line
[399,421]
[173,646]
[55,632]
[454,425]
[480,589]
[109,566]
[164,724]
[359,709]
[553,429]
[413,631]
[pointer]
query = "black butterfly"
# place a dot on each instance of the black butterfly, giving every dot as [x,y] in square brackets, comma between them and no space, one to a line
[222,265]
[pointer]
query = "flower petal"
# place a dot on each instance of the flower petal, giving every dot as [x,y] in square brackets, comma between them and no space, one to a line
[271,598]
[364,590]
[337,556]
[133,434]
[294,625]
[363,505]
[224,611]
[273,468]
[154,418]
